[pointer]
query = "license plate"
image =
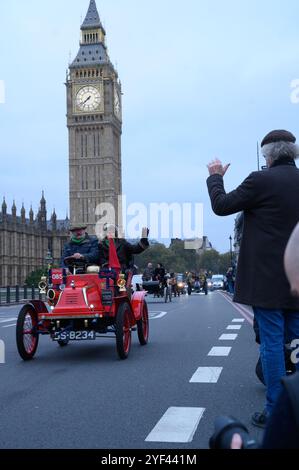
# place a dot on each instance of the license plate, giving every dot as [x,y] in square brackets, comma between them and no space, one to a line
[74,336]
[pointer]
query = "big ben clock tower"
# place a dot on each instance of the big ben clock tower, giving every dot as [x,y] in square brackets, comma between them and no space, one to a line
[94,122]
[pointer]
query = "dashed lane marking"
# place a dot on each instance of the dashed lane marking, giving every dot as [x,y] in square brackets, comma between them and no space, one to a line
[228,337]
[8,320]
[178,425]
[238,320]
[9,326]
[220,351]
[234,327]
[206,375]
[156,315]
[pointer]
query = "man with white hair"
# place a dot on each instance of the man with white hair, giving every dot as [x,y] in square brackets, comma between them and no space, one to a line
[125,250]
[270,203]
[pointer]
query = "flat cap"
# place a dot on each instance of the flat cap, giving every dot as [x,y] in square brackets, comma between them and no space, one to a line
[278,136]
[77,226]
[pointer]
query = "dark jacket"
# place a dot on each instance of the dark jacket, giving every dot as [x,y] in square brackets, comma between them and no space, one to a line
[147,274]
[88,248]
[124,250]
[159,274]
[270,203]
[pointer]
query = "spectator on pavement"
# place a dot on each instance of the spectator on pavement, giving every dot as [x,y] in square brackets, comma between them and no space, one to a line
[282,431]
[270,203]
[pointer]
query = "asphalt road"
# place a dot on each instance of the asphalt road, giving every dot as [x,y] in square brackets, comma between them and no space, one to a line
[83,397]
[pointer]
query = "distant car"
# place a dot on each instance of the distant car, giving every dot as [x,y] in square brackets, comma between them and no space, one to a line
[218,282]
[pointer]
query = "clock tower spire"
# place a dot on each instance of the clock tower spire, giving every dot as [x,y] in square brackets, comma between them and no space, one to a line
[95,124]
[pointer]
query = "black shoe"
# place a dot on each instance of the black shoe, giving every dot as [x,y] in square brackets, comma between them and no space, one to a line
[260,419]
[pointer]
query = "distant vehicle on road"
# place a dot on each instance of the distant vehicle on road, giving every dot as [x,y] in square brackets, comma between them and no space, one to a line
[181,284]
[218,282]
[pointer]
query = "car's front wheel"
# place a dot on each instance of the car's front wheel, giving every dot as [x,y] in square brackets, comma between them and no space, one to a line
[26,332]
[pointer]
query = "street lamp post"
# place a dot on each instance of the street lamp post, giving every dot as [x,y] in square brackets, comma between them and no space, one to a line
[49,259]
[231,250]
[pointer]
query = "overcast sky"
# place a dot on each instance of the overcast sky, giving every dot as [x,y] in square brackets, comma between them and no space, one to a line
[200,78]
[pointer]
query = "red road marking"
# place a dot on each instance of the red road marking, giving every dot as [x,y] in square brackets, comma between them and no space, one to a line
[242,310]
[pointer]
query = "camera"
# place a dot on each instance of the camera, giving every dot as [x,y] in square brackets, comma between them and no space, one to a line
[225,428]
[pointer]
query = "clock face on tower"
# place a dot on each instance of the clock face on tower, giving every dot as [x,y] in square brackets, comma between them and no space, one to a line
[88,99]
[117,105]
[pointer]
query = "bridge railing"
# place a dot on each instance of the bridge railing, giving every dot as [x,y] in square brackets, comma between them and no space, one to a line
[19,294]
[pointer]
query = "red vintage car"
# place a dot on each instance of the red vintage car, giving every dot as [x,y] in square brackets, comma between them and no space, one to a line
[84,306]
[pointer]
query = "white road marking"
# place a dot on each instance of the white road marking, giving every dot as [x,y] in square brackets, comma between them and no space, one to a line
[155,315]
[206,375]
[178,424]
[238,320]
[220,351]
[7,320]
[234,327]
[231,337]
[9,326]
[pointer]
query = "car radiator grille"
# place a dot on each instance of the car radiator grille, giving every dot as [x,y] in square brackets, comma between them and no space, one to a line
[72,299]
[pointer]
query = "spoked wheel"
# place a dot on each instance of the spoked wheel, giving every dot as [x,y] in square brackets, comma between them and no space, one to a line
[123,331]
[143,326]
[26,333]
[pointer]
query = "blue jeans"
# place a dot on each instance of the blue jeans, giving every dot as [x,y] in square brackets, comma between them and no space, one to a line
[274,327]
[230,285]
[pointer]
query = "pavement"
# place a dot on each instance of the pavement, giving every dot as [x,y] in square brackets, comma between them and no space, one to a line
[199,364]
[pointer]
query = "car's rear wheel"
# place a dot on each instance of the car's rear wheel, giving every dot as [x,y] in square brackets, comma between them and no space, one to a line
[26,332]
[123,331]
[143,326]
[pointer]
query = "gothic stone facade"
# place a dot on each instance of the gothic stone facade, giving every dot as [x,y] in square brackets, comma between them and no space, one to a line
[94,122]
[25,243]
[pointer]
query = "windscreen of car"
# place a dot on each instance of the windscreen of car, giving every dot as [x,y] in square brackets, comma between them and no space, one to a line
[217,278]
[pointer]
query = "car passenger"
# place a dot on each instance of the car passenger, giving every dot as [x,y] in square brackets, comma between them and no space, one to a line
[124,249]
